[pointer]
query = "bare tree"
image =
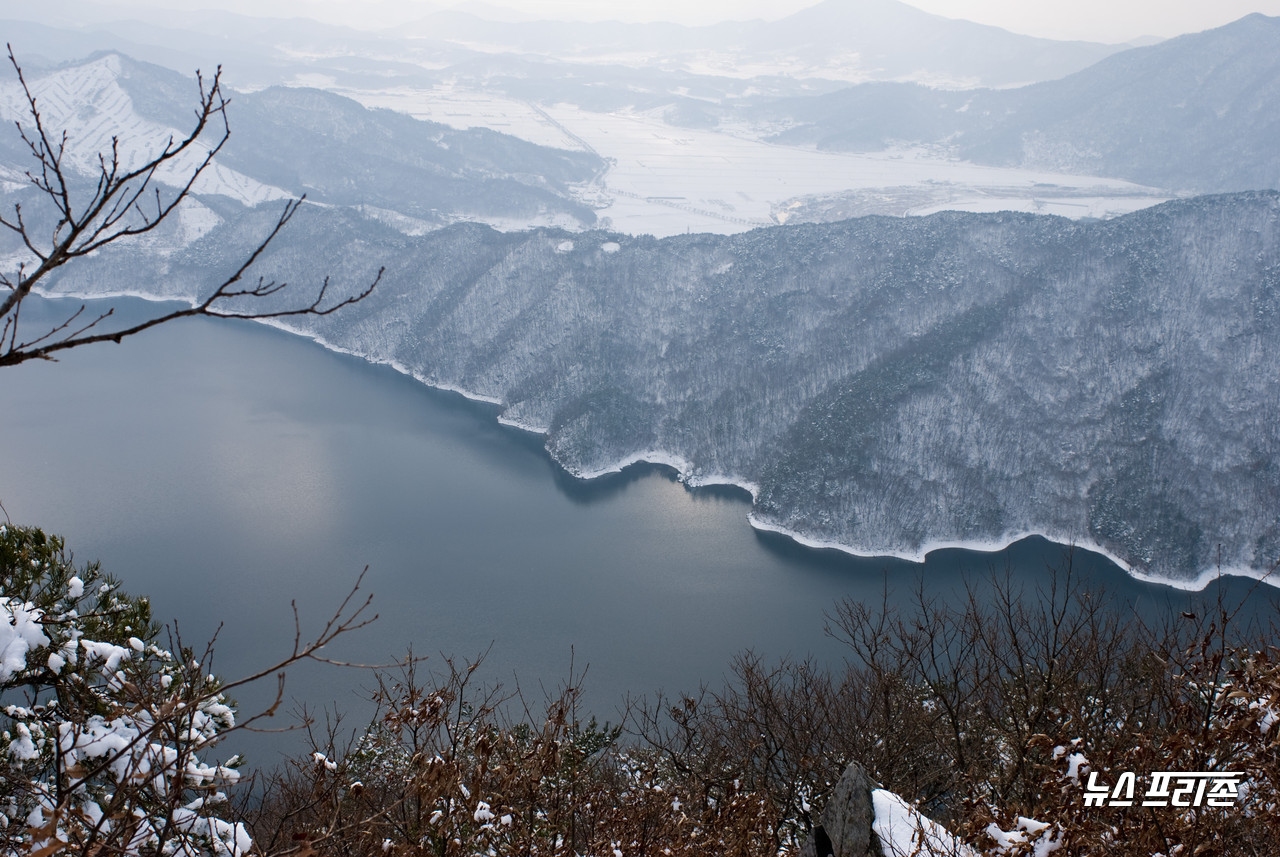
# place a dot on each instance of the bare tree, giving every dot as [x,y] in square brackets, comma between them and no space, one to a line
[122,201]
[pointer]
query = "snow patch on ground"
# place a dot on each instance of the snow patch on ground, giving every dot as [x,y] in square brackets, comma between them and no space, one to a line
[1043,840]
[904,832]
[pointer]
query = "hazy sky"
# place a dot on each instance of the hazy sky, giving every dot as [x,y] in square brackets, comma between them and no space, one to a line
[1099,20]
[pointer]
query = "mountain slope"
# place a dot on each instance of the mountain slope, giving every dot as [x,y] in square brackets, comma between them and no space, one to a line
[90,102]
[335,150]
[1200,112]
[287,141]
[883,384]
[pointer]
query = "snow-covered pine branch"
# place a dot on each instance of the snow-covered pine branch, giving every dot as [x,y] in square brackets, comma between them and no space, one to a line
[107,737]
[106,734]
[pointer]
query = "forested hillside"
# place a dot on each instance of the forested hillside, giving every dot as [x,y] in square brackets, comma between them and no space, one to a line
[882,384]
[1195,113]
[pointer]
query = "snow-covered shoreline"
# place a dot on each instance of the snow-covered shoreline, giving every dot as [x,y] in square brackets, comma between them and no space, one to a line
[683,467]
[1194,584]
[684,470]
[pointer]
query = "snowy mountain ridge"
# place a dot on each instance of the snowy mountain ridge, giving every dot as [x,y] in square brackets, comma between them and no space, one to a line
[834,40]
[1195,113]
[884,385]
[289,141]
[88,103]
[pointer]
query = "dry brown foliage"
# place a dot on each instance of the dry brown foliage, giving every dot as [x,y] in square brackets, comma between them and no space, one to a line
[448,769]
[981,711]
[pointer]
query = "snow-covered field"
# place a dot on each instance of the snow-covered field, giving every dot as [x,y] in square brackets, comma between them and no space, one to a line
[467,109]
[665,180]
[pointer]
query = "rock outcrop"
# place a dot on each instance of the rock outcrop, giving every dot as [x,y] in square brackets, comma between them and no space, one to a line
[845,827]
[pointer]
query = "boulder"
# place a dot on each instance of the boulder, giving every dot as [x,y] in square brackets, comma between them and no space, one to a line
[845,827]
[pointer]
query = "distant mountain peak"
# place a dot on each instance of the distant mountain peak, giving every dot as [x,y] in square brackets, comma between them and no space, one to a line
[89,102]
[832,40]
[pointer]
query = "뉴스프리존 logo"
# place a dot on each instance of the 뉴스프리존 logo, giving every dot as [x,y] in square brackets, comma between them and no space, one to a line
[1168,788]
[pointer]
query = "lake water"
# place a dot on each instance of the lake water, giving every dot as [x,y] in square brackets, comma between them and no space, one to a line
[225,469]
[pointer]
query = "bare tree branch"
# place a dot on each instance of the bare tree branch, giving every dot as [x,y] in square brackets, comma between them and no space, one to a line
[127,202]
[349,616]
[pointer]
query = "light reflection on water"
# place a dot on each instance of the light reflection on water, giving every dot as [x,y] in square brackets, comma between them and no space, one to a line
[226,469]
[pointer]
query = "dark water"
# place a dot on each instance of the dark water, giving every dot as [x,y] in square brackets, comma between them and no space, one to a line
[226,469]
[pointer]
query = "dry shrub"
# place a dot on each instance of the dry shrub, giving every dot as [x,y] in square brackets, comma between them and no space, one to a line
[454,767]
[987,712]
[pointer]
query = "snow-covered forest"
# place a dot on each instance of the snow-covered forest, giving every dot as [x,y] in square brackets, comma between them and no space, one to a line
[880,384]
[638,243]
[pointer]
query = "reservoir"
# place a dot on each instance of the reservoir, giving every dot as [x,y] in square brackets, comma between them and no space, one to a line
[227,470]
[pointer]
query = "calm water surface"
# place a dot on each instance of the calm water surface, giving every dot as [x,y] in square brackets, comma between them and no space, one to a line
[226,469]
